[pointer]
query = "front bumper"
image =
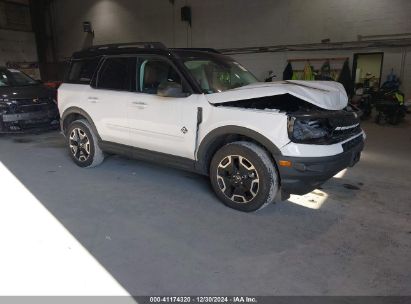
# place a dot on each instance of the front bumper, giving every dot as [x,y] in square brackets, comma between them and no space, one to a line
[308,173]
[18,122]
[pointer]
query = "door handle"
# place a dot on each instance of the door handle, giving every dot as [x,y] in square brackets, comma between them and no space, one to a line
[139,104]
[93,99]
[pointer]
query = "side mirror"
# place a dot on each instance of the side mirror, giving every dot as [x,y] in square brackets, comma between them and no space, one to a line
[170,89]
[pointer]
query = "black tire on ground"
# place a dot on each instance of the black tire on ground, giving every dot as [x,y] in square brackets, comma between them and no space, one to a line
[80,134]
[244,176]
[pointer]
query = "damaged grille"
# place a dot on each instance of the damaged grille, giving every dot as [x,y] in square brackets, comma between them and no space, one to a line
[343,120]
[343,127]
[346,132]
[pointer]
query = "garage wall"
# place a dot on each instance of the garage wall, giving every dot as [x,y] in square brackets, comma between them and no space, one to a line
[17,41]
[229,23]
[17,46]
[265,22]
[234,23]
[112,21]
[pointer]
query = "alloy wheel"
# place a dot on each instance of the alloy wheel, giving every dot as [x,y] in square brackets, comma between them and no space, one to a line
[79,144]
[238,179]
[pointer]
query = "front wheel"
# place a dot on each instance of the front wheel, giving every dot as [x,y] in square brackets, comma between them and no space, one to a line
[244,176]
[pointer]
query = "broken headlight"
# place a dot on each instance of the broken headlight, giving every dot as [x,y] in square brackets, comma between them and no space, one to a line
[308,130]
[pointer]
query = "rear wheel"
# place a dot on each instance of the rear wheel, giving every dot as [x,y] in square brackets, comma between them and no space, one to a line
[83,144]
[244,176]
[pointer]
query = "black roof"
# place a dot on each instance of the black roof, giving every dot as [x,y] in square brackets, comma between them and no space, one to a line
[198,53]
[120,51]
[144,48]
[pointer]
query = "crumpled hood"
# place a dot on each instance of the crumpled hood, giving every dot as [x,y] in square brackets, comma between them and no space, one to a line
[328,95]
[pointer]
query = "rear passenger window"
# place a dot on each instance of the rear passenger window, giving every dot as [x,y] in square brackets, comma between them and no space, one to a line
[116,74]
[82,71]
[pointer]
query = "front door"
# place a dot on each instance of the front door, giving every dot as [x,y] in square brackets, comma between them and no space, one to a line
[162,124]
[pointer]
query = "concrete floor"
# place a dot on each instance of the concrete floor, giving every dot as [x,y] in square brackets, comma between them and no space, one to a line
[158,230]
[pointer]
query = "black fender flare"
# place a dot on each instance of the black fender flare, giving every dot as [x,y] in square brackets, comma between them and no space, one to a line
[206,146]
[79,111]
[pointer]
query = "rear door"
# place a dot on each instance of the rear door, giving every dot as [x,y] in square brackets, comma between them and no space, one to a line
[162,124]
[108,99]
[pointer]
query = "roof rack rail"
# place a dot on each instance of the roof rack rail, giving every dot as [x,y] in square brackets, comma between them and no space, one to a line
[145,45]
[210,50]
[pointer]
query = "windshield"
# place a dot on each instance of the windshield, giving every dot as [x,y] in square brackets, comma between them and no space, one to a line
[218,75]
[15,78]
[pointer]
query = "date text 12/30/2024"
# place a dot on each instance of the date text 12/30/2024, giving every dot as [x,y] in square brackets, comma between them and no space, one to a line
[237,299]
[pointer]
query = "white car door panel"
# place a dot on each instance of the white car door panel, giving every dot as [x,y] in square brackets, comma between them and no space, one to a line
[164,124]
[110,98]
[108,109]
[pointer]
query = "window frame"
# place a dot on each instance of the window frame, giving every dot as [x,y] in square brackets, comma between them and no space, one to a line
[72,61]
[96,76]
[142,57]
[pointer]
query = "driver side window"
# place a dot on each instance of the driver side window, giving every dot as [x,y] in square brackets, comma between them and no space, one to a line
[154,72]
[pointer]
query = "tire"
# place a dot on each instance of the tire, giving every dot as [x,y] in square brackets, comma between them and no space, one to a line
[80,133]
[244,176]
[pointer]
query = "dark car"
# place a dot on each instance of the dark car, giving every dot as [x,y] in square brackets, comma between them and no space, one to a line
[25,103]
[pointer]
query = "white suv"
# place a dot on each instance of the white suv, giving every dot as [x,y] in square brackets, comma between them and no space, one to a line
[199,110]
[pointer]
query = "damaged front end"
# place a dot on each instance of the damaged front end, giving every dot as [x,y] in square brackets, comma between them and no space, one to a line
[23,114]
[307,123]
[324,133]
